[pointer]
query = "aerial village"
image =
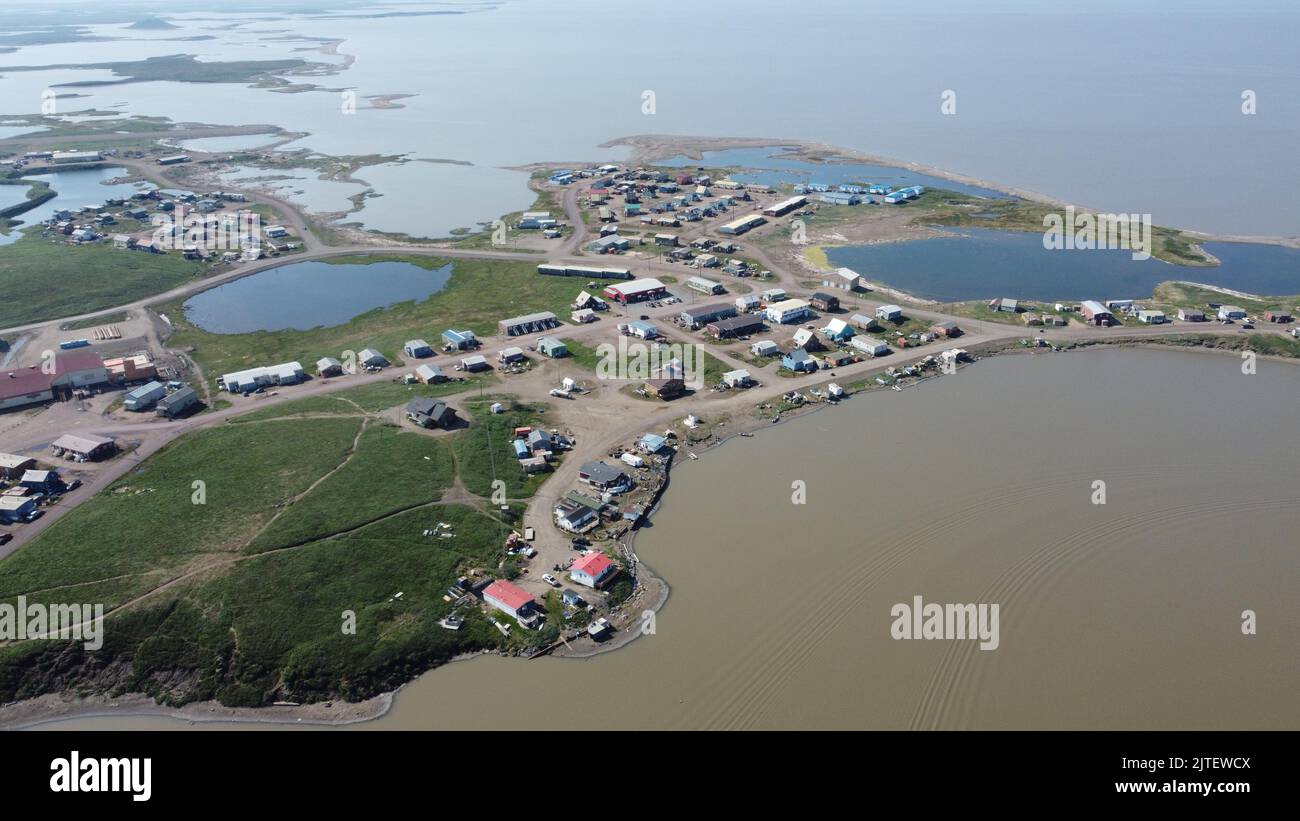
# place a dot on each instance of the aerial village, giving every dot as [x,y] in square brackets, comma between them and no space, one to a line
[214,226]
[797,345]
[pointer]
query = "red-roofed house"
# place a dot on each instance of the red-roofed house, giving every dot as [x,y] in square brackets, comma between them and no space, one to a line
[510,598]
[593,570]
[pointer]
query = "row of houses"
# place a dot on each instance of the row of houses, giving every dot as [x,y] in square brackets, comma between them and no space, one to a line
[593,569]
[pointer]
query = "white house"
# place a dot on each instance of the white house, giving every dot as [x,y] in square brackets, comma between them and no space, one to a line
[789,310]
[889,313]
[510,598]
[1152,317]
[869,345]
[737,379]
[593,570]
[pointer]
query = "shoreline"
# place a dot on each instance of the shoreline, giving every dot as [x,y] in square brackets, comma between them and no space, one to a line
[23,714]
[651,148]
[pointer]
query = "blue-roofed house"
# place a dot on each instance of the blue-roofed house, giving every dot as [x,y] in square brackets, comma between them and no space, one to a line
[798,361]
[652,443]
[460,340]
[643,329]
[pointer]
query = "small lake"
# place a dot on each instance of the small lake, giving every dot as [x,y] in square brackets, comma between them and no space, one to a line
[985,263]
[305,295]
[74,189]
[767,166]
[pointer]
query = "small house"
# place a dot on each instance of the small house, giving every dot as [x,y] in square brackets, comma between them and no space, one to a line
[764,348]
[825,302]
[371,358]
[643,329]
[652,443]
[509,356]
[806,339]
[17,508]
[593,570]
[864,322]
[510,599]
[575,517]
[552,347]
[430,413]
[889,313]
[417,348]
[737,379]
[798,361]
[838,330]
[329,366]
[667,388]
[475,363]
[870,345]
[430,374]
[45,481]
[144,397]
[459,340]
[177,403]
[602,476]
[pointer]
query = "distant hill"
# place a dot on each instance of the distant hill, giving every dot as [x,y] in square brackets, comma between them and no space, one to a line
[154,23]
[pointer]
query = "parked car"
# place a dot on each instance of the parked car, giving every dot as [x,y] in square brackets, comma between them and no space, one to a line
[551,580]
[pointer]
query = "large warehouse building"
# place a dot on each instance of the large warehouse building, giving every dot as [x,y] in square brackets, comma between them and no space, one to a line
[740,226]
[785,206]
[638,290]
[32,385]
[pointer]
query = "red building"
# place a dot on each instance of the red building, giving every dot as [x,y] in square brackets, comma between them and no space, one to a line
[637,290]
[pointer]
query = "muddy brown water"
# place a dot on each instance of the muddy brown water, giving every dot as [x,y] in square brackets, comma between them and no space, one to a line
[976,487]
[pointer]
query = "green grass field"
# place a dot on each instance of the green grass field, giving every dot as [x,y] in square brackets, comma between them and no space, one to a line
[390,470]
[307,522]
[484,450]
[43,279]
